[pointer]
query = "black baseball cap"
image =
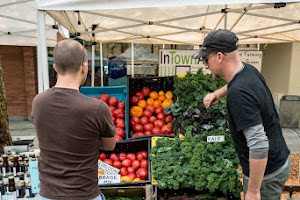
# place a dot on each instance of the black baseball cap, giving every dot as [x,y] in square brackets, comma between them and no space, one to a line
[221,40]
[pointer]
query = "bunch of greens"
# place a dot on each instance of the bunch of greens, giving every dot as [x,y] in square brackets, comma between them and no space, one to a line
[189,108]
[195,163]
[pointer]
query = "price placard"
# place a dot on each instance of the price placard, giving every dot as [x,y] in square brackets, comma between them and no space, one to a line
[217,138]
[34,176]
[109,179]
[107,169]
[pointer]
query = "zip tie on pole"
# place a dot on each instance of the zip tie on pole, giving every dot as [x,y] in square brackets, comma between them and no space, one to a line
[148,40]
[287,120]
[280,34]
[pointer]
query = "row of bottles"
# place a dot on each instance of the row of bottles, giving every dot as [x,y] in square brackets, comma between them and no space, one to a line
[15,176]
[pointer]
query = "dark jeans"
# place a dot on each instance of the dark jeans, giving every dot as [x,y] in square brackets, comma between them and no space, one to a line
[271,188]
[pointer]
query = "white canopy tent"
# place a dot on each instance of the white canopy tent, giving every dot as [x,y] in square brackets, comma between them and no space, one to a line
[176,21]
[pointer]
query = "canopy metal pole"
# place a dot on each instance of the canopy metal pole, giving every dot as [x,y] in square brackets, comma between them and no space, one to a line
[101,60]
[132,60]
[225,17]
[93,66]
[163,46]
[43,71]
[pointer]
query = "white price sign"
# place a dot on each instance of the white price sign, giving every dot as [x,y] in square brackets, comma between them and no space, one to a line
[109,179]
[107,169]
[219,138]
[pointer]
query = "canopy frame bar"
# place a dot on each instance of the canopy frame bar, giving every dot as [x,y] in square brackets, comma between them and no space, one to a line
[14,3]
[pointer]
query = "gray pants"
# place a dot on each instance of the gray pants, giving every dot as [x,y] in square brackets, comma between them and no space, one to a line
[271,188]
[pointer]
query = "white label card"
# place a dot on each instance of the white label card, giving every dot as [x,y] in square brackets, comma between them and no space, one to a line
[107,169]
[218,138]
[109,179]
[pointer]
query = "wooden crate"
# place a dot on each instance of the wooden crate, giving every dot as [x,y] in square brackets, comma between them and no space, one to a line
[145,191]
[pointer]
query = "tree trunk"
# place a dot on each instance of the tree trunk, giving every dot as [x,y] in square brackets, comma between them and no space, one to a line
[5,138]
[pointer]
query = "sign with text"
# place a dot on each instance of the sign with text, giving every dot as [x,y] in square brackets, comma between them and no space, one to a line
[109,179]
[178,62]
[217,138]
[107,169]
[34,176]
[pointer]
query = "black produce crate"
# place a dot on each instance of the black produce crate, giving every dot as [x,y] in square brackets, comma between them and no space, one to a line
[154,83]
[135,146]
[183,193]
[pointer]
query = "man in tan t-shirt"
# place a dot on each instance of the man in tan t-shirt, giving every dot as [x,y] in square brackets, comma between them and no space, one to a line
[71,128]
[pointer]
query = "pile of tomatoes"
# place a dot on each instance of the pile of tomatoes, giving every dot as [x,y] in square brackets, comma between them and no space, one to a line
[133,167]
[117,110]
[147,116]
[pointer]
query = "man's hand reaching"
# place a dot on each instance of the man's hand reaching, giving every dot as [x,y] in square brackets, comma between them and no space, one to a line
[210,100]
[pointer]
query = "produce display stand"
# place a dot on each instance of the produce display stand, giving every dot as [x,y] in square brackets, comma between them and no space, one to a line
[117,91]
[154,83]
[142,144]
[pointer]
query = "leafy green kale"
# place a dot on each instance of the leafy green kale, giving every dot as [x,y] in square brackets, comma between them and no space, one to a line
[195,163]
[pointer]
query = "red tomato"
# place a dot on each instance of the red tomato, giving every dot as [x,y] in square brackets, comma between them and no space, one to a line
[159,110]
[120,132]
[95,98]
[169,119]
[160,116]
[113,157]
[151,108]
[147,133]
[122,156]
[136,164]
[166,130]
[132,176]
[144,164]
[134,100]
[117,164]
[119,113]
[142,173]
[120,123]
[112,108]
[123,171]
[146,91]
[108,161]
[147,113]
[159,123]
[131,156]
[138,128]
[102,156]
[113,101]
[134,120]
[126,163]
[112,114]
[133,135]
[119,138]
[144,120]
[140,95]
[121,105]
[145,154]
[148,127]
[156,131]
[152,119]
[130,170]
[169,124]
[104,97]
[139,134]
[139,156]
[114,120]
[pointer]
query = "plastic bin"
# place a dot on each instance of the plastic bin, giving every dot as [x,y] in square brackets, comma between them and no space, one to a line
[142,144]
[118,91]
[154,84]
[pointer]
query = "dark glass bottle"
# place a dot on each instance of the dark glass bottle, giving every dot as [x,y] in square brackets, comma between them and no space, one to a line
[16,165]
[12,193]
[2,188]
[5,164]
[29,190]
[20,189]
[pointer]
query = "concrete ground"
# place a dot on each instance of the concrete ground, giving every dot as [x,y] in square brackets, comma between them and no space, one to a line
[22,128]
